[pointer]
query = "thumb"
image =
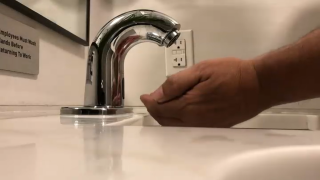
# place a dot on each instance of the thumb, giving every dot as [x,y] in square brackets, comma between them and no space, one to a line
[176,85]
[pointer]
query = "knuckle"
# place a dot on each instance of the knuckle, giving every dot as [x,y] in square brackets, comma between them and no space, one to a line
[202,69]
[153,110]
[170,82]
[202,65]
[163,123]
[170,86]
[159,120]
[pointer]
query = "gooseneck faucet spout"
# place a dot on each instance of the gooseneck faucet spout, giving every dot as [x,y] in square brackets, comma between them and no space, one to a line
[105,69]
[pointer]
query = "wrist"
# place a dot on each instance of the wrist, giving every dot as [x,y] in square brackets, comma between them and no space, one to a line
[264,99]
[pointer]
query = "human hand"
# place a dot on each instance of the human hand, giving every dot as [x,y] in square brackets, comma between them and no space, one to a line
[212,93]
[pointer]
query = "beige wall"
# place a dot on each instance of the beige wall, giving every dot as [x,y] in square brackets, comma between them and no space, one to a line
[61,77]
[222,28]
[62,65]
[240,28]
[69,14]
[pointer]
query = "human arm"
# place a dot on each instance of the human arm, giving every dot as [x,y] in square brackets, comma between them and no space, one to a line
[291,73]
[228,91]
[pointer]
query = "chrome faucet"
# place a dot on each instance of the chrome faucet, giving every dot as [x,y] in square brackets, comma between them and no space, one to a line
[104,90]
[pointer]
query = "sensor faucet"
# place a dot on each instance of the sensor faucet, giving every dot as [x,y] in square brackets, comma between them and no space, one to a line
[104,89]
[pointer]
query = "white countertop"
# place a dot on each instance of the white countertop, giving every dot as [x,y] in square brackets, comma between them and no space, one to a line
[41,148]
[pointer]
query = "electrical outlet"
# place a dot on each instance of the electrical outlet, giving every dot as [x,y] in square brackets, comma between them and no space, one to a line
[179,55]
[179,44]
[179,61]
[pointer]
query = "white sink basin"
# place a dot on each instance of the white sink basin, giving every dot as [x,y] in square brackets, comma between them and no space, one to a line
[288,163]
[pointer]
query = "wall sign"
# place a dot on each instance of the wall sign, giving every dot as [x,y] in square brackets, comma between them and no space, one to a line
[19,46]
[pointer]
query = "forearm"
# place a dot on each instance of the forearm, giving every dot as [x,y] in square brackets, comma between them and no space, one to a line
[291,73]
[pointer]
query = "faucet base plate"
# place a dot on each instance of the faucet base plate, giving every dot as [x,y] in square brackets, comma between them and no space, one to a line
[94,110]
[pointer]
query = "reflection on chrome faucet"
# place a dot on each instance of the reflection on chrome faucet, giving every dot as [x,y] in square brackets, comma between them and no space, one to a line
[110,47]
[103,150]
[102,144]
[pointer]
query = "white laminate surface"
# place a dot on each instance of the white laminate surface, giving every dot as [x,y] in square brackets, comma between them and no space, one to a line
[41,148]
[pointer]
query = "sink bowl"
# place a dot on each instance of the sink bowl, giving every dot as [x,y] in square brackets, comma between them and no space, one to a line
[285,163]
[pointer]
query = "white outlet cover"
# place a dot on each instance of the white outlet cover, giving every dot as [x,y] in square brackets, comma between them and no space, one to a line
[187,36]
[179,61]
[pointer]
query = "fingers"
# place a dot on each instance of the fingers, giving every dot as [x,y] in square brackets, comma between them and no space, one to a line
[166,114]
[176,113]
[169,121]
[170,109]
[176,85]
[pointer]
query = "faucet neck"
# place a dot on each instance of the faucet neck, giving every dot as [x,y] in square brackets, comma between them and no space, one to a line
[105,69]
